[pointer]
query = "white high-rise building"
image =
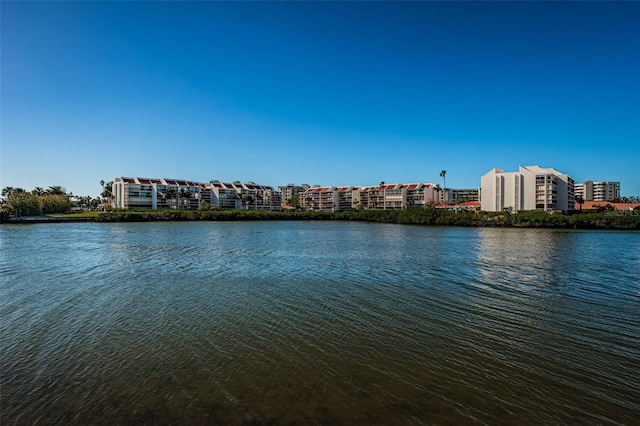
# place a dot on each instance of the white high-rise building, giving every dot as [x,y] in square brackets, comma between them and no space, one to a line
[598,191]
[530,188]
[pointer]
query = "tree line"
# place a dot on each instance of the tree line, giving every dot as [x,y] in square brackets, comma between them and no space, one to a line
[413,216]
[39,201]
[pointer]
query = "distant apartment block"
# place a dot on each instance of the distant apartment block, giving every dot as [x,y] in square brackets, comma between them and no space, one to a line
[378,197]
[530,188]
[598,191]
[158,193]
[292,190]
[452,195]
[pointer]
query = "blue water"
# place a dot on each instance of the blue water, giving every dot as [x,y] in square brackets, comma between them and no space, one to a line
[317,323]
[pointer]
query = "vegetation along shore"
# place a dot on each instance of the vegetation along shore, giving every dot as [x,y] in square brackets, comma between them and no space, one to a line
[422,216]
[53,205]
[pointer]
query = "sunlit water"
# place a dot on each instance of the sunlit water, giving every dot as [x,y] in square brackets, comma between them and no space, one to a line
[317,323]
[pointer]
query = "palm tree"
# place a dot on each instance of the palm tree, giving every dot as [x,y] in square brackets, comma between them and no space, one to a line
[85,202]
[10,190]
[168,195]
[56,190]
[443,175]
[185,195]
[247,199]
[94,203]
[580,201]
[107,193]
[7,191]
[38,191]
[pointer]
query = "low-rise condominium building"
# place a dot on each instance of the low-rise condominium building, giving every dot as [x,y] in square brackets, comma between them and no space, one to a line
[159,193]
[378,197]
[291,191]
[457,196]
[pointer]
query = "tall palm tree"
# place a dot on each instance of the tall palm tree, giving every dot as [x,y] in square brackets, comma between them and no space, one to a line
[580,201]
[107,195]
[443,175]
[38,191]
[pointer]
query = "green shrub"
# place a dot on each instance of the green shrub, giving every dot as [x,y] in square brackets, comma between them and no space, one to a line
[24,204]
[416,216]
[50,204]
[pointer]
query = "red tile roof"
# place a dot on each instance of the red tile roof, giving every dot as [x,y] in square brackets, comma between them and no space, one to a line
[593,205]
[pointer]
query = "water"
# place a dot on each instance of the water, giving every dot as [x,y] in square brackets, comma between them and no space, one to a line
[317,323]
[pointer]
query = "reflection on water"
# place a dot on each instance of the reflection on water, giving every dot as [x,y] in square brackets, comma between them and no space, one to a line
[317,323]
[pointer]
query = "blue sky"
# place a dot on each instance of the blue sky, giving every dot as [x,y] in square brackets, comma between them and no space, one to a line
[329,93]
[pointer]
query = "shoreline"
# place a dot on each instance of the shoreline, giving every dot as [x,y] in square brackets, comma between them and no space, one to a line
[428,217]
[45,219]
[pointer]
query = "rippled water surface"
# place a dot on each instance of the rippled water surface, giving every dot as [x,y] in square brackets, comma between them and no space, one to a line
[317,323]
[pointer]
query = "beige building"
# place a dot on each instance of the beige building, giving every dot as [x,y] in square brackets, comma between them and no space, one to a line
[292,190]
[159,193]
[597,191]
[453,195]
[530,188]
[378,197]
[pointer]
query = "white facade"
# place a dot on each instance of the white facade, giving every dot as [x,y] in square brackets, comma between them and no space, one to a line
[135,192]
[154,193]
[530,188]
[598,191]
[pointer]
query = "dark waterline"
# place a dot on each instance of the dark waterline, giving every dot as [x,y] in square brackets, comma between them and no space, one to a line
[317,323]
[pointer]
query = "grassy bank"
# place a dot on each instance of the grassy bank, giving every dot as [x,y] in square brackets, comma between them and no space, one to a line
[530,219]
[81,214]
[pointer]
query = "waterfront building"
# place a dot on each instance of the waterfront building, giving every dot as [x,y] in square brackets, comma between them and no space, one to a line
[320,199]
[292,190]
[378,197]
[135,192]
[598,191]
[224,195]
[159,193]
[530,188]
[456,196]
[258,197]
